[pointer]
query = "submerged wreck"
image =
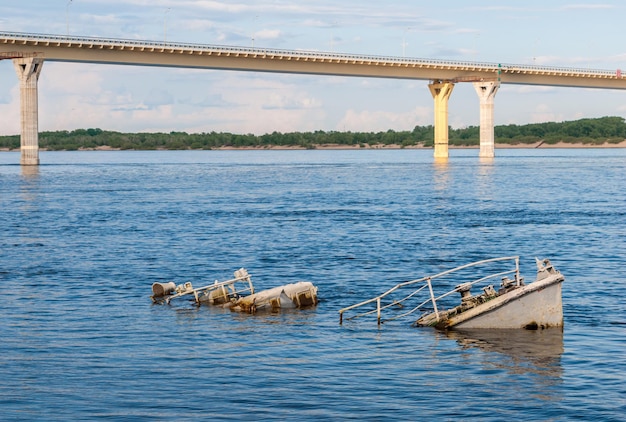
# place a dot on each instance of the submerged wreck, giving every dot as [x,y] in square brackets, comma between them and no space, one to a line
[238,294]
[513,304]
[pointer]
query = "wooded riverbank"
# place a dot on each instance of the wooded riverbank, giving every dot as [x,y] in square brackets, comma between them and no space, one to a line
[584,133]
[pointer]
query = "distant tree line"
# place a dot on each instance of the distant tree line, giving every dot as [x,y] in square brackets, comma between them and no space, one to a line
[586,131]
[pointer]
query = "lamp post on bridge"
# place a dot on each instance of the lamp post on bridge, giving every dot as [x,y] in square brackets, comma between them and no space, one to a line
[256,17]
[333,25]
[404,41]
[165,25]
[476,38]
[67,17]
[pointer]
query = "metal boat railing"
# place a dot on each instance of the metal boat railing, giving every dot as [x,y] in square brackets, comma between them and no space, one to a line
[227,288]
[386,300]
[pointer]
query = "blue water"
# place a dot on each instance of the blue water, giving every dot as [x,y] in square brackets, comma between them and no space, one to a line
[85,235]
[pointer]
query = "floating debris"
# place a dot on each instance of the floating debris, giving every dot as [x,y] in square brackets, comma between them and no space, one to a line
[238,294]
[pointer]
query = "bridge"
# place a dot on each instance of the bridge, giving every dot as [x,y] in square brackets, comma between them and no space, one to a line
[29,51]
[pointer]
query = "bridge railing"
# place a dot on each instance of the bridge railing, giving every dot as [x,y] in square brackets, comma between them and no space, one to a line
[120,42]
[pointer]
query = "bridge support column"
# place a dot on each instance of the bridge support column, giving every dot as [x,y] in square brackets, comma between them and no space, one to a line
[486,93]
[441,91]
[28,70]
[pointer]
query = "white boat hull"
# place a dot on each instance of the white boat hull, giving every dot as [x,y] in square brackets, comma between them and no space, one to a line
[289,296]
[537,305]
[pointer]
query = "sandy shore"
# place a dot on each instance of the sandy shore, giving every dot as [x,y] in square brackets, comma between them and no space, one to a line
[393,146]
[541,145]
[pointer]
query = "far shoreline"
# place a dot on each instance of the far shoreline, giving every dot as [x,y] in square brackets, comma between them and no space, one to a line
[537,145]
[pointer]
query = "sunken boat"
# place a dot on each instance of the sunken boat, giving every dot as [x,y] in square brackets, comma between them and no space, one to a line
[511,304]
[239,294]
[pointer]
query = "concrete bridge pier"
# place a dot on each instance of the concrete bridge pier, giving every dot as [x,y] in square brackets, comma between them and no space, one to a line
[486,93]
[28,70]
[441,91]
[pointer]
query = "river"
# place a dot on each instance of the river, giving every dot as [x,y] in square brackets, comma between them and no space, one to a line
[85,234]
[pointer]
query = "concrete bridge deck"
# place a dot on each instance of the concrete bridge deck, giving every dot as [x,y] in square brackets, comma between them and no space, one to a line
[153,53]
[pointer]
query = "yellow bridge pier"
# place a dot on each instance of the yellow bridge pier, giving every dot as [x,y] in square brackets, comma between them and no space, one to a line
[441,91]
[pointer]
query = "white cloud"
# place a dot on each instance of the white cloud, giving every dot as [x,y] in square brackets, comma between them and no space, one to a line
[588,6]
[268,34]
[531,89]
[10,112]
[380,121]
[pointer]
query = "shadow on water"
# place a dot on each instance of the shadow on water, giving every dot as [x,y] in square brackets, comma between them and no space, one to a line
[524,350]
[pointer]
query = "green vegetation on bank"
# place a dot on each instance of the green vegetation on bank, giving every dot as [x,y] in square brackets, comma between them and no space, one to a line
[590,132]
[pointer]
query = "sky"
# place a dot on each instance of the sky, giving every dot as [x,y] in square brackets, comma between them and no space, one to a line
[72,96]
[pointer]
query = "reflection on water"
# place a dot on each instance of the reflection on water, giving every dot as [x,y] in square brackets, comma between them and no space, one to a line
[30,172]
[484,179]
[441,175]
[526,350]
[222,318]
[29,187]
